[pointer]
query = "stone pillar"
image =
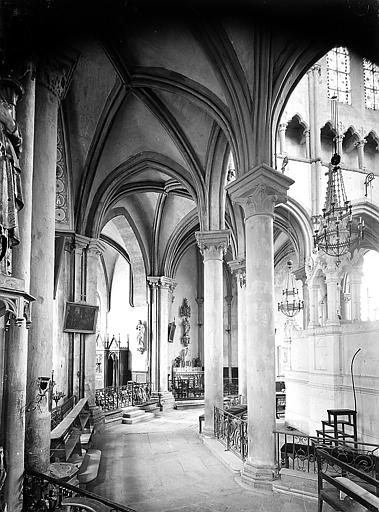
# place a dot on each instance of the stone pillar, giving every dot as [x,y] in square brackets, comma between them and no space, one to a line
[162,288]
[333,295]
[307,143]
[282,138]
[360,152]
[93,252]
[313,305]
[228,300]
[339,140]
[356,282]
[52,80]
[42,271]
[238,268]
[314,136]
[213,245]
[79,245]
[258,192]
[301,275]
[17,337]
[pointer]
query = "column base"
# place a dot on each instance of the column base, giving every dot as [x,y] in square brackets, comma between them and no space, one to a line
[166,399]
[258,477]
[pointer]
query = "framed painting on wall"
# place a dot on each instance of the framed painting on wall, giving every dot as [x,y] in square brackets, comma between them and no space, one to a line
[80,317]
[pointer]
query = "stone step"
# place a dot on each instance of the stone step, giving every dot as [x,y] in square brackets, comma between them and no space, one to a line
[188,403]
[145,416]
[150,407]
[134,414]
[113,416]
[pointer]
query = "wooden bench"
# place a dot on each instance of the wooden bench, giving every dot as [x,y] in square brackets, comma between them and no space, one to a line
[334,485]
[65,437]
[89,467]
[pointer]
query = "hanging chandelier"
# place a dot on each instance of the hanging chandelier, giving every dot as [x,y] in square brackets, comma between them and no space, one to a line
[337,231]
[290,304]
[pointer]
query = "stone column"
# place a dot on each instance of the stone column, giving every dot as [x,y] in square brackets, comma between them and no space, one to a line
[333,295]
[93,252]
[162,288]
[307,143]
[238,268]
[356,282]
[360,151]
[282,138]
[213,245]
[52,79]
[315,144]
[17,337]
[313,305]
[258,192]
[79,245]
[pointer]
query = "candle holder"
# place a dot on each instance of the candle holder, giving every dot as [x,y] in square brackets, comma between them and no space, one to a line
[57,396]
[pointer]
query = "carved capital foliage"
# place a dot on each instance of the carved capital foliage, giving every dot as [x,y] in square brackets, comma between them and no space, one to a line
[261,201]
[55,72]
[238,269]
[213,244]
[162,282]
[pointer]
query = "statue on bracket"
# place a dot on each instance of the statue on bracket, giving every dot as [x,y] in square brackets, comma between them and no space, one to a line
[141,337]
[185,312]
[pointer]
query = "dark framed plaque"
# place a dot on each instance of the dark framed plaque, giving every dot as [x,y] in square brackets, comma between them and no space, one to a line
[80,318]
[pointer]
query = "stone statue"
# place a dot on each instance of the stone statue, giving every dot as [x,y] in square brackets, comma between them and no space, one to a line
[11,200]
[186,326]
[140,336]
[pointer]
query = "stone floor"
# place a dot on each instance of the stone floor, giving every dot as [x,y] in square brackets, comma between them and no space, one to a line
[163,465]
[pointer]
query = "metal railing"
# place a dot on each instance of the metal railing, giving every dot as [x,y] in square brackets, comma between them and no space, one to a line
[60,412]
[231,431]
[297,452]
[231,386]
[112,398]
[187,385]
[43,493]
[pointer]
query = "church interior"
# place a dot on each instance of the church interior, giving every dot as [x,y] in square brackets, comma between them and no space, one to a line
[189,221]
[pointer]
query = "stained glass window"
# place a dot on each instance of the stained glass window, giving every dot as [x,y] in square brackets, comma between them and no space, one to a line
[338,66]
[371,82]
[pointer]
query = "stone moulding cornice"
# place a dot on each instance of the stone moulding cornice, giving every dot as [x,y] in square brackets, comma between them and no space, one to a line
[260,190]
[161,282]
[213,244]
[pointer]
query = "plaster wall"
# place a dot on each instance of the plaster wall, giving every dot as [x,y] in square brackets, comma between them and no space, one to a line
[320,377]
[186,279]
[123,318]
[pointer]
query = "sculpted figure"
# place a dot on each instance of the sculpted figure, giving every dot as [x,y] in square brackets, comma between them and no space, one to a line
[11,200]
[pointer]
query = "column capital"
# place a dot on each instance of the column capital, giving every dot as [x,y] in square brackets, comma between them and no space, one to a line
[80,242]
[96,247]
[55,72]
[283,126]
[238,268]
[161,282]
[260,190]
[213,244]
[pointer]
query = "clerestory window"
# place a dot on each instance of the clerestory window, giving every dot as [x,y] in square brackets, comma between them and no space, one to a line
[338,75]
[371,84]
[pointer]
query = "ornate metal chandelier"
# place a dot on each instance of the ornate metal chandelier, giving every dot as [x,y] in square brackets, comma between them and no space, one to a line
[290,304]
[337,231]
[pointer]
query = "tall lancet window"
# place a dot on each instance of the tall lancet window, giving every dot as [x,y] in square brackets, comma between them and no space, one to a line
[338,68]
[371,82]
[231,174]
